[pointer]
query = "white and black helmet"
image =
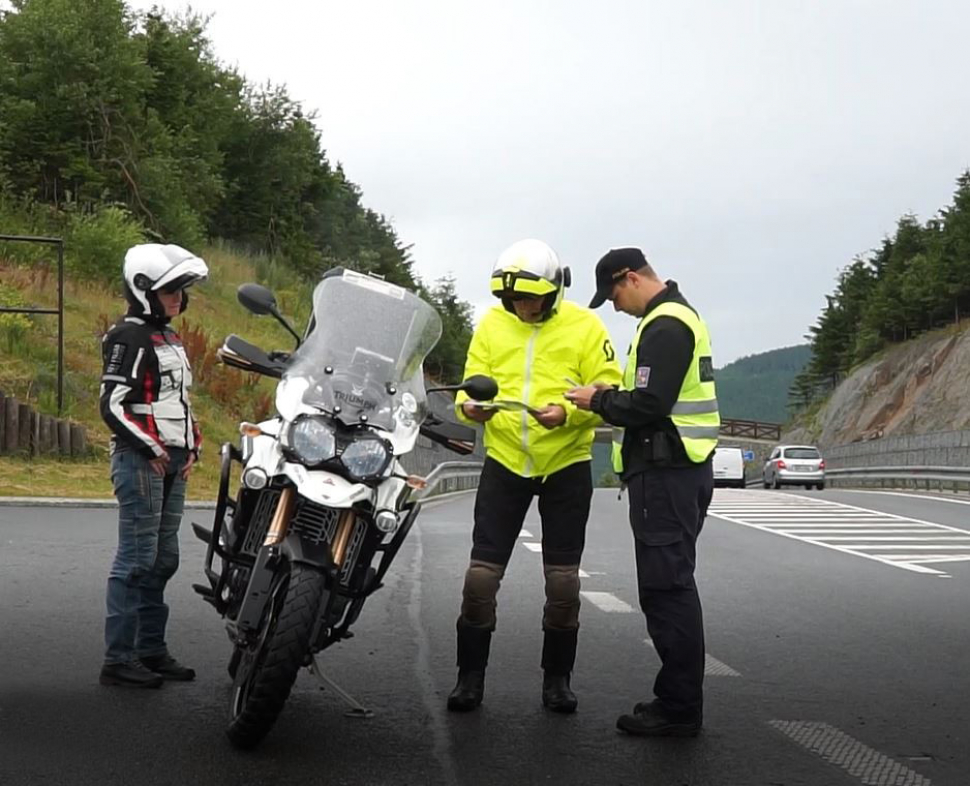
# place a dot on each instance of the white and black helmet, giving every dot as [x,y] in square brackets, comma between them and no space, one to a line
[530,268]
[151,268]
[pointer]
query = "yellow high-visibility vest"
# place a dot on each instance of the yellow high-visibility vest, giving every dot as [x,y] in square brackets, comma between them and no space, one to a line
[695,415]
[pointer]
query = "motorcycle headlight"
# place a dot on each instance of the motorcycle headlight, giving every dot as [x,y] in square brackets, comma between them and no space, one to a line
[313,441]
[365,458]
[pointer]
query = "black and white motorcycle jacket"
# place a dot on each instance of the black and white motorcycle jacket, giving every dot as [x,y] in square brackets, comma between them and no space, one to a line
[145,388]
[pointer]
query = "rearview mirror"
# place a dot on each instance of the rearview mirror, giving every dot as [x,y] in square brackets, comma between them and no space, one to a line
[257,299]
[480,388]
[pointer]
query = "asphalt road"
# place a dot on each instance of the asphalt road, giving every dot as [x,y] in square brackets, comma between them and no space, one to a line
[832,662]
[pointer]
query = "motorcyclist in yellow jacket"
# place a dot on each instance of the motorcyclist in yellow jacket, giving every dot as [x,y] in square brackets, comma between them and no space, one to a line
[535,345]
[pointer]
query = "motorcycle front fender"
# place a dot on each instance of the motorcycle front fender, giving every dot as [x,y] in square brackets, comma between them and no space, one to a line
[326,488]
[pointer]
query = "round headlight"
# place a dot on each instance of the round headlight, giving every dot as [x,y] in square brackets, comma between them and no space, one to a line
[254,478]
[313,440]
[365,458]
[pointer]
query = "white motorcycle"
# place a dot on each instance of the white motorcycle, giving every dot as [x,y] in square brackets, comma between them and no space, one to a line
[323,493]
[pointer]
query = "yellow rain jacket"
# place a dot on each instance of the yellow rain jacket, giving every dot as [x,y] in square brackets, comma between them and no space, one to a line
[531,363]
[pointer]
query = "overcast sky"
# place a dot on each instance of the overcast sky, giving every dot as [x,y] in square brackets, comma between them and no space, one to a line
[752,149]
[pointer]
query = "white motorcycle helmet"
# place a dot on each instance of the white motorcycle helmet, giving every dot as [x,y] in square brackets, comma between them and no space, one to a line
[151,268]
[530,268]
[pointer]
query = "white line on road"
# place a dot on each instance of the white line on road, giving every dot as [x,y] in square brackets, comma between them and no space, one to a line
[712,666]
[607,601]
[863,763]
[524,533]
[536,547]
[868,536]
[911,496]
[845,528]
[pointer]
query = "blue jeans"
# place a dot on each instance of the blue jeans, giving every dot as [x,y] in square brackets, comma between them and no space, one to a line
[150,511]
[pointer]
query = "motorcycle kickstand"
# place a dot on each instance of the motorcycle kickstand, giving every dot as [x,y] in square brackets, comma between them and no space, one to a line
[357,710]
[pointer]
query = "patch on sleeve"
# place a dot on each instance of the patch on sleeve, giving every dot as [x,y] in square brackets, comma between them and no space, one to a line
[116,358]
[706,368]
[643,377]
[609,351]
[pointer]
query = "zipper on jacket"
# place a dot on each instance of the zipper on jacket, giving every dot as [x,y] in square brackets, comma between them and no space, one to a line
[188,436]
[525,399]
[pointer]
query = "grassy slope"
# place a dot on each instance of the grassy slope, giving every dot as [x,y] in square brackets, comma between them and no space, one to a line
[221,397]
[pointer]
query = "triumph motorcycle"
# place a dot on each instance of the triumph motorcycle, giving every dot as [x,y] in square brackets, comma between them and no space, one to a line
[324,503]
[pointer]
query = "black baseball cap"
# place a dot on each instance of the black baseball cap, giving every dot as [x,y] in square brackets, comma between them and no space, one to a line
[614,264]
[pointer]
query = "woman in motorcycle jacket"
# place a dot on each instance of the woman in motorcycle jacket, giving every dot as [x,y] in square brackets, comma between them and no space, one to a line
[534,345]
[155,441]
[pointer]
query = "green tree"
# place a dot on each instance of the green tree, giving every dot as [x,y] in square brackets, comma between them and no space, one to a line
[70,99]
[447,360]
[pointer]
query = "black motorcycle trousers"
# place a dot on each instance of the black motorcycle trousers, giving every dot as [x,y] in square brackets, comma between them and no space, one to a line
[667,510]
[501,505]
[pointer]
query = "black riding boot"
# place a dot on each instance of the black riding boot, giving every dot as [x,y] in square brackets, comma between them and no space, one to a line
[558,657]
[473,645]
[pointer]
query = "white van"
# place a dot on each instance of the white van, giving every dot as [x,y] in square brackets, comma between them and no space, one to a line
[729,467]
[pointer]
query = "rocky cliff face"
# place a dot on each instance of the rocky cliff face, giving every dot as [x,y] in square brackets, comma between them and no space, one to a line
[919,387]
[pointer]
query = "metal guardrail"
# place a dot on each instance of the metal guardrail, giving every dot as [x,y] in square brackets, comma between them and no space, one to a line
[939,478]
[450,476]
[957,478]
[750,430]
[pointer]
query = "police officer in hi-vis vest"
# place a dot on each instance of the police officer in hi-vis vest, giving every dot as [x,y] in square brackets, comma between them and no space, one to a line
[667,415]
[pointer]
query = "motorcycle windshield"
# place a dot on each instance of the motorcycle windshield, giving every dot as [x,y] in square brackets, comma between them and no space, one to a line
[362,359]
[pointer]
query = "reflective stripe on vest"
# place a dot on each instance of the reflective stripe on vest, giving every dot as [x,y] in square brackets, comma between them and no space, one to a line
[695,415]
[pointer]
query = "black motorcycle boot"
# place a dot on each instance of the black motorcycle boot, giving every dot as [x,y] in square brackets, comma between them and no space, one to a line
[558,657]
[168,668]
[473,646]
[129,675]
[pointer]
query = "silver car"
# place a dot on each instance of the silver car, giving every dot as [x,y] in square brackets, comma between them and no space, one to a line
[795,465]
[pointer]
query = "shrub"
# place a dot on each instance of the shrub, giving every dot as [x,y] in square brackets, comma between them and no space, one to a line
[96,243]
[13,326]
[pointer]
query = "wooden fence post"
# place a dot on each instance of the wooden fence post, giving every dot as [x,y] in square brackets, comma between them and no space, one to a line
[34,433]
[77,440]
[11,415]
[45,435]
[64,437]
[24,427]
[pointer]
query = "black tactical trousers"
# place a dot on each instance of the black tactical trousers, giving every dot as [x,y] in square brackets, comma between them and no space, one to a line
[667,510]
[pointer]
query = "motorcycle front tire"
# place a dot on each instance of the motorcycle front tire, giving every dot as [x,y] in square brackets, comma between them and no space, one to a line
[265,673]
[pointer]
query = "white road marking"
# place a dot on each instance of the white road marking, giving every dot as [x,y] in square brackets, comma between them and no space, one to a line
[869,537]
[524,533]
[911,496]
[607,601]
[537,548]
[846,528]
[712,666]
[863,763]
